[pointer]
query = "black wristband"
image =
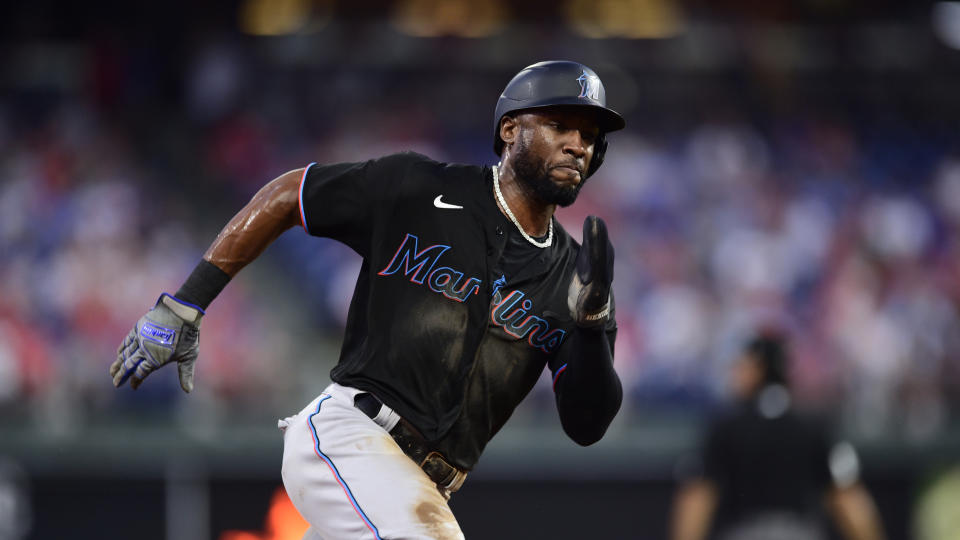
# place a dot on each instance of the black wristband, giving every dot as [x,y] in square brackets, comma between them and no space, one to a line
[204,284]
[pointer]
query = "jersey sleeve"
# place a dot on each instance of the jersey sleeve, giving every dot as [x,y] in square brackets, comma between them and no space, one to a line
[844,465]
[346,201]
[836,463]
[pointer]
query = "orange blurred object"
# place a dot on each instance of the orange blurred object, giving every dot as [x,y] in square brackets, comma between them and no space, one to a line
[283,522]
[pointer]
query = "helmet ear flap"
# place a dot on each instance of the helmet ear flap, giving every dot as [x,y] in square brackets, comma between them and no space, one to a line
[599,150]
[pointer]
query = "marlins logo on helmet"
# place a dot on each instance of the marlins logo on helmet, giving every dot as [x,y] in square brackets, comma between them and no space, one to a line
[589,86]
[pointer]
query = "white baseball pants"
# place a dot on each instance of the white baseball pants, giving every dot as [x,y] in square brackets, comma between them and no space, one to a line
[350,480]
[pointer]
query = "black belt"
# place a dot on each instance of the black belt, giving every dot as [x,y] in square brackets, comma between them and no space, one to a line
[448,477]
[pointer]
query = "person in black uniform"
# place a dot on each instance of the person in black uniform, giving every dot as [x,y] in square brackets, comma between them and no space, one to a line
[767,472]
[468,288]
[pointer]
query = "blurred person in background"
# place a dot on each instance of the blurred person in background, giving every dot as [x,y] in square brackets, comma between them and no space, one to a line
[468,290]
[766,472]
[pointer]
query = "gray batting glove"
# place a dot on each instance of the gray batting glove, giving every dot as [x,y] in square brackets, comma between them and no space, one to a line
[170,332]
[588,297]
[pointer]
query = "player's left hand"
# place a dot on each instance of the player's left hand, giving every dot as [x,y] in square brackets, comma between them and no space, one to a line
[170,332]
[589,297]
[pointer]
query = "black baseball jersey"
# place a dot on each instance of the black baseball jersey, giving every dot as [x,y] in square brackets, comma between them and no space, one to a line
[442,327]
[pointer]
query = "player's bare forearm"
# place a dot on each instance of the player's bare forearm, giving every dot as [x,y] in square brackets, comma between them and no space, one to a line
[273,210]
[588,392]
[693,509]
[169,333]
[855,513]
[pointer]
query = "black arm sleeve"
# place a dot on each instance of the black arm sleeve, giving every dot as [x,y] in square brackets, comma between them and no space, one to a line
[587,388]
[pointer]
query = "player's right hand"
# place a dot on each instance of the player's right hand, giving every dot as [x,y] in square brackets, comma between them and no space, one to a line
[589,297]
[170,332]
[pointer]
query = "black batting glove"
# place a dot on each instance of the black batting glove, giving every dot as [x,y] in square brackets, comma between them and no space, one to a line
[589,297]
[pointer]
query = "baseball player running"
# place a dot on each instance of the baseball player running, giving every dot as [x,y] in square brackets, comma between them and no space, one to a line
[468,288]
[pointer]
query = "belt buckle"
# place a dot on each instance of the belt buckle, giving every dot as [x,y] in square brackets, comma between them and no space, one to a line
[448,477]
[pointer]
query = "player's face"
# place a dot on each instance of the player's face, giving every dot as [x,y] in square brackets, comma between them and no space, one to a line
[747,377]
[553,151]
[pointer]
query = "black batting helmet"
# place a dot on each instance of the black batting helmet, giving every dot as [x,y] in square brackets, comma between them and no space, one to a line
[558,82]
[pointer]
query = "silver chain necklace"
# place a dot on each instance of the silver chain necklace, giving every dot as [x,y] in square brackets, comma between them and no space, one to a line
[503,203]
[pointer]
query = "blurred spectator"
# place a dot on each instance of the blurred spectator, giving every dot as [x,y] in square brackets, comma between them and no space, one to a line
[766,471]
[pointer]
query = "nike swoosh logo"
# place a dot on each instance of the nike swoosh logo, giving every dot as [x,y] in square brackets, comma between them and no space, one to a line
[440,204]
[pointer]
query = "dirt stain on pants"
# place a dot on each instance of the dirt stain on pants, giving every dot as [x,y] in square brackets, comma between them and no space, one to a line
[439,521]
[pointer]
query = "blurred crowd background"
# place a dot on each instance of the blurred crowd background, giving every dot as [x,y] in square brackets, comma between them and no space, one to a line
[793,166]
